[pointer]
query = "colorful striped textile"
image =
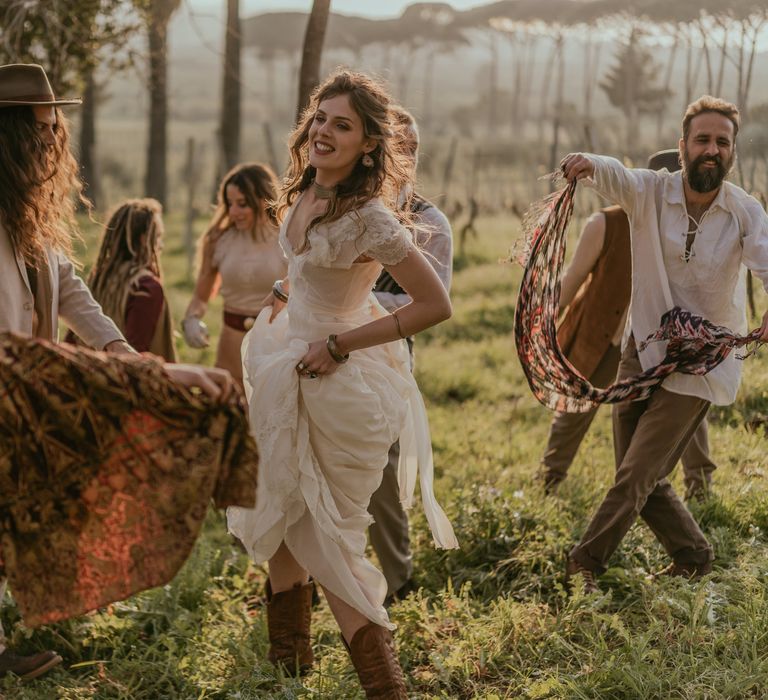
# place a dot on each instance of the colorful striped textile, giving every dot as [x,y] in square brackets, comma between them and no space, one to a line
[694,345]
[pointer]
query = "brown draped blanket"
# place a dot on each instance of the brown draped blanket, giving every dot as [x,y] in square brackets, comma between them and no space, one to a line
[106,471]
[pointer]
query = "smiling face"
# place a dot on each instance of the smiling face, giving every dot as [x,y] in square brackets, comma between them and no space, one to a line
[708,151]
[336,139]
[241,215]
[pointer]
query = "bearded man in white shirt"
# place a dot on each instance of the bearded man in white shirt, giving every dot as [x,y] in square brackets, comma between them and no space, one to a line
[693,234]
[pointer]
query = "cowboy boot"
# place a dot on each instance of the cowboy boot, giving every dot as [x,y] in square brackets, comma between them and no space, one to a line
[373,655]
[288,618]
[27,667]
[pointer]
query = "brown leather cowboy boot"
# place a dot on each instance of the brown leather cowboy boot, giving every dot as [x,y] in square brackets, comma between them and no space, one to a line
[288,618]
[374,658]
[28,667]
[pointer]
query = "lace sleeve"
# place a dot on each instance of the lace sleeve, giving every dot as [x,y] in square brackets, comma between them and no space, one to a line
[385,239]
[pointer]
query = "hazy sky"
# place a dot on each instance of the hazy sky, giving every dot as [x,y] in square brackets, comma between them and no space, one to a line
[365,8]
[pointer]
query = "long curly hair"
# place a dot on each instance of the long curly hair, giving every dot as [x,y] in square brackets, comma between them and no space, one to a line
[130,249]
[40,185]
[391,171]
[258,184]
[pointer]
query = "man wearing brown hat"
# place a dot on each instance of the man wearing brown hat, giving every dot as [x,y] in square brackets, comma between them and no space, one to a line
[595,292]
[39,183]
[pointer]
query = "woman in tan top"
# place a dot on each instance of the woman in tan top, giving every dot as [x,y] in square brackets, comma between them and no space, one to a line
[241,258]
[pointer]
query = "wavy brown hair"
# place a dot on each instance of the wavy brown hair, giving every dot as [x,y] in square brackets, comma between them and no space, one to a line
[40,185]
[130,249]
[391,170]
[258,184]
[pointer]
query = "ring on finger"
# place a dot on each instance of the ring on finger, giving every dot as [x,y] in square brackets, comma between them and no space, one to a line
[313,375]
[301,367]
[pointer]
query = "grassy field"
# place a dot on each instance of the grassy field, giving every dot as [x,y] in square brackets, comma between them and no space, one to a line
[492,620]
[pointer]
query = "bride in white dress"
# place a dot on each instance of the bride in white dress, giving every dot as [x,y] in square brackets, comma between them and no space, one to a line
[329,385]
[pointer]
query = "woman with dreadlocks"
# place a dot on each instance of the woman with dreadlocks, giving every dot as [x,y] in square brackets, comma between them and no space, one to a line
[329,382]
[241,257]
[126,278]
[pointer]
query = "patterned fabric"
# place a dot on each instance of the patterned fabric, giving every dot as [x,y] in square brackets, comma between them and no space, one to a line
[694,345]
[106,471]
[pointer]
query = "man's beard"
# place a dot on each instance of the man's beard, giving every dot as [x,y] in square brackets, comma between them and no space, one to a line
[701,179]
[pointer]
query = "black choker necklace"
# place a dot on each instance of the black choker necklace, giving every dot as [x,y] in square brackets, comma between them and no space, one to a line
[323,192]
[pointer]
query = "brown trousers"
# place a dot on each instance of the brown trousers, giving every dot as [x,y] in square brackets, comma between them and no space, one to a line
[389,533]
[568,430]
[649,437]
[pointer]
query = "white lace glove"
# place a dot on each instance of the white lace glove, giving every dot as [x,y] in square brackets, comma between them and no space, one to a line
[195,332]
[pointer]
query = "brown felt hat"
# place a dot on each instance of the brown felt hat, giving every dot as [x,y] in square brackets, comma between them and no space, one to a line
[27,84]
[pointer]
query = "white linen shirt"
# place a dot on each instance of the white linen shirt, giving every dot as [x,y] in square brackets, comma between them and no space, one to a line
[71,299]
[733,236]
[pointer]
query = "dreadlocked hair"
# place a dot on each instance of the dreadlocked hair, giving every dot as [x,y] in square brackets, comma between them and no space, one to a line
[40,186]
[130,249]
[391,172]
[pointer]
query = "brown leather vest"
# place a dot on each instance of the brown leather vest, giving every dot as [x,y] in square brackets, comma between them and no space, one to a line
[591,320]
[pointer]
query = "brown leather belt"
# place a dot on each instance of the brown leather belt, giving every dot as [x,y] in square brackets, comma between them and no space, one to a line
[239,322]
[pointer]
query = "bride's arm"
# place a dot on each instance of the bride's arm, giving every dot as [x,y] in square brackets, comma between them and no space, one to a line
[430,305]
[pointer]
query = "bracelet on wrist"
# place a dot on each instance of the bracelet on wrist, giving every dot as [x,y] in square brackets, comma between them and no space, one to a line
[279,292]
[397,323]
[334,352]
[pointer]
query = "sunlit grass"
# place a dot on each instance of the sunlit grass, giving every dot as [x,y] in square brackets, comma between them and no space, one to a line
[492,619]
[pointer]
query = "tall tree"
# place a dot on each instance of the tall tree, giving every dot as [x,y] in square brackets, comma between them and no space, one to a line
[631,84]
[157,15]
[88,163]
[314,37]
[229,128]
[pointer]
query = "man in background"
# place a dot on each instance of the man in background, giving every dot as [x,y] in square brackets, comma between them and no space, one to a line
[389,533]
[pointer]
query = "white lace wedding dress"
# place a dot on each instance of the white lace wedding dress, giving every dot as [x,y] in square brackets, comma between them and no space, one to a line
[323,442]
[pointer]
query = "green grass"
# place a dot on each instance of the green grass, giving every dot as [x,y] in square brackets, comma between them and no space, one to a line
[492,620]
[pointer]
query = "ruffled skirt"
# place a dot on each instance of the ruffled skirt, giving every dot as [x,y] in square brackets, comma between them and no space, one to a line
[323,447]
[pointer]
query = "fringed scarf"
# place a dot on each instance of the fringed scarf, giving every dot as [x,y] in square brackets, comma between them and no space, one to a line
[694,345]
[107,468]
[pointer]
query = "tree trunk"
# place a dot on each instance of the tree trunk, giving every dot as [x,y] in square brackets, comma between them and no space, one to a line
[309,76]
[230,97]
[429,80]
[546,84]
[88,166]
[155,184]
[661,114]
[493,85]
[723,24]
[191,175]
[554,152]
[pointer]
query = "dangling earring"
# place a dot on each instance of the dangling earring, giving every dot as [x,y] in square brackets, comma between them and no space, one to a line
[367,161]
